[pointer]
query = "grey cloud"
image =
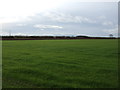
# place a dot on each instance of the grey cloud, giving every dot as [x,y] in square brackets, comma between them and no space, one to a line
[20,24]
[47,26]
[67,18]
[112,31]
[102,17]
[107,23]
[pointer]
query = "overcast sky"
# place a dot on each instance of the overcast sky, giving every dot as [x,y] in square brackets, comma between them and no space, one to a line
[58,17]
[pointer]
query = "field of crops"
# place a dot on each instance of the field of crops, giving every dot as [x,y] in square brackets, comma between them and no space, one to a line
[60,63]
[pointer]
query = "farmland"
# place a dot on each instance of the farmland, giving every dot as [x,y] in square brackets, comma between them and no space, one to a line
[85,63]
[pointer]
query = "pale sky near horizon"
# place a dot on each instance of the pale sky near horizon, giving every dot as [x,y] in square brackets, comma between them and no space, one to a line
[58,17]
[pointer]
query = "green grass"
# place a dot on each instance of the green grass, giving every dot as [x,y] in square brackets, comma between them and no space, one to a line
[60,63]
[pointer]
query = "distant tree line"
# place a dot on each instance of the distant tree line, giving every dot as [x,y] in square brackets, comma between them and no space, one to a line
[50,37]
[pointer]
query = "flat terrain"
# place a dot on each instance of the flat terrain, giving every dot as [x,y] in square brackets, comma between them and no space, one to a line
[60,63]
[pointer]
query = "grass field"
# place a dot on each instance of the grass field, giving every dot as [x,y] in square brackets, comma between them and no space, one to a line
[60,63]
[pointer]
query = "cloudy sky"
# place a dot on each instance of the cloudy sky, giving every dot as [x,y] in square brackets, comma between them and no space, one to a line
[58,17]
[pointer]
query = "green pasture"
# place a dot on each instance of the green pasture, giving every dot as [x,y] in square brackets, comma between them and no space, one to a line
[85,63]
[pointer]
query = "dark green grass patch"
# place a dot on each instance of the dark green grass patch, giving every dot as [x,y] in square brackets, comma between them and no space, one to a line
[60,63]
